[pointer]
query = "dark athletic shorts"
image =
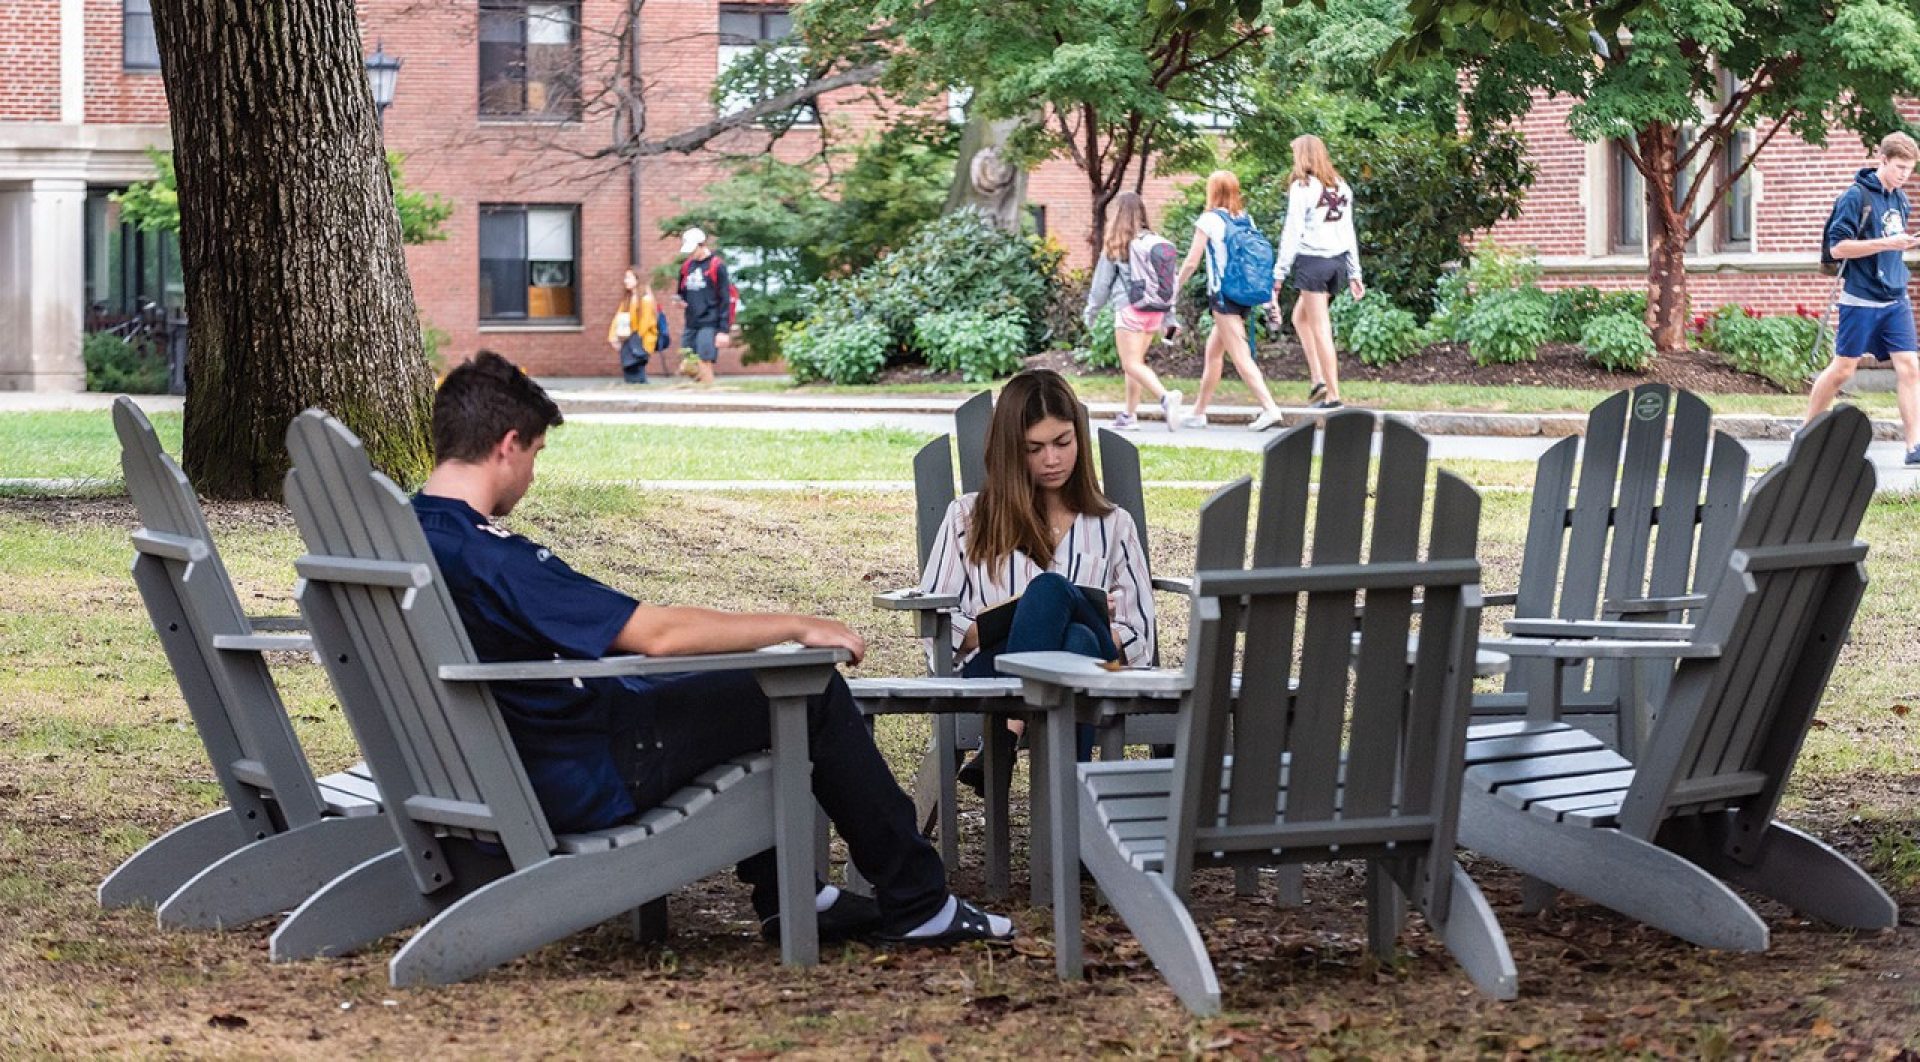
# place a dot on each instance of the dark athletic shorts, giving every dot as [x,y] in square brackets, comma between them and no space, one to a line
[1311,272]
[1876,330]
[702,342]
[1221,304]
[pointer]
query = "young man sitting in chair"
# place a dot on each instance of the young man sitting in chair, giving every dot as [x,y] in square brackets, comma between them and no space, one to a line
[600,751]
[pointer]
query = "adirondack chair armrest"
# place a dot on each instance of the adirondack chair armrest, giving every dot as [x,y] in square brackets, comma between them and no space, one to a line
[774,657]
[277,623]
[1599,648]
[1183,587]
[1504,600]
[1087,675]
[1644,606]
[911,600]
[1553,628]
[263,643]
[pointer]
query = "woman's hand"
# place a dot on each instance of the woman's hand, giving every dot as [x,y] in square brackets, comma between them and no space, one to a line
[1358,289]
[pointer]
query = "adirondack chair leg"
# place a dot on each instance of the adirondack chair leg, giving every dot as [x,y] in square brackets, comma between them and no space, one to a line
[157,870]
[1640,880]
[1386,910]
[1473,937]
[998,770]
[1246,881]
[1799,870]
[1536,895]
[1040,839]
[822,844]
[362,905]
[946,748]
[1289,885]
[1156,917]
[650,922]
[550,900]
[276,873]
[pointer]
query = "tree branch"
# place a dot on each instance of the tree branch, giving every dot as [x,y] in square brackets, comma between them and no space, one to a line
[1734,175]
[690,140]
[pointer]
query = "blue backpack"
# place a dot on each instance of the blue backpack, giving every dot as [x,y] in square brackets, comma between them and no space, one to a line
[1246,277]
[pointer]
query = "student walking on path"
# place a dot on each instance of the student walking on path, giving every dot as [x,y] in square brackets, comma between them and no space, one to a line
[1319,251]
[706,290]
[1041,542]
[1225,237]
[635,329]
[1135,276]
[1867,236]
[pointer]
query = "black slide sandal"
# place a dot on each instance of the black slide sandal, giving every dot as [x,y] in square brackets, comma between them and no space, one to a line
[969,923]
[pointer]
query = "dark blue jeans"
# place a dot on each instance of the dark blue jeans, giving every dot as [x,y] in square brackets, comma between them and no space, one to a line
[687,723]
[1051,616]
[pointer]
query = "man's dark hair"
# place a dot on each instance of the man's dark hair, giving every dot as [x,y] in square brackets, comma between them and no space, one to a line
[482,400]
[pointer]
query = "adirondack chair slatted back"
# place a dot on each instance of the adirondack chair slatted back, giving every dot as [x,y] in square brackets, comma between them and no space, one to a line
[1732,726]
[1629,532]
[385,623]
[1391,789]
[932,492]
[235,705]
[970,423]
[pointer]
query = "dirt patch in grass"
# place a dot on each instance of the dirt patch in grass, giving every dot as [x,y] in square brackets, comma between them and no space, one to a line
[1298,981]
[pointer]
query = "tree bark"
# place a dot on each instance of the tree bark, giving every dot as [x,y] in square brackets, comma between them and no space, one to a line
[982,180]
[296,281]
[1667,230]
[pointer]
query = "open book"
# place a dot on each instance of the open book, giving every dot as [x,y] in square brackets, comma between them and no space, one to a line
[997,622]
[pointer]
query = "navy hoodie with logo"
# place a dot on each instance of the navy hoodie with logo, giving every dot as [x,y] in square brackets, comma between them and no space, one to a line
[1882,277]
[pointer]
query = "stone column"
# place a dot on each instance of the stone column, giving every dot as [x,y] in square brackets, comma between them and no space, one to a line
[42,285]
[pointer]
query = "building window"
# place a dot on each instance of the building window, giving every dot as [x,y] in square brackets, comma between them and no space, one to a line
[138,48]
[529,60]
[127,269]
[527,264]
[752,33]
[1629,204]
[1736,210]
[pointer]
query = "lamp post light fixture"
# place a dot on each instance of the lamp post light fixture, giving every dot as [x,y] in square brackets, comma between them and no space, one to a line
[383,71]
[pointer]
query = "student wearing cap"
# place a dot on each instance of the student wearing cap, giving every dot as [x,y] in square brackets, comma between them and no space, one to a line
[706,290]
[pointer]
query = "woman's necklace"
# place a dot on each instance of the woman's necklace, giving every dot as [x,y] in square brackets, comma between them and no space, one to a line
[1060,526]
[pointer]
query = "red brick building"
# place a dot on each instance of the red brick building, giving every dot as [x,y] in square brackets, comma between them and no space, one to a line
[500,106]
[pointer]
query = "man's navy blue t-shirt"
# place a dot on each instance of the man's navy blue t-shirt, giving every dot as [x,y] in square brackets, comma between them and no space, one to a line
[520,602]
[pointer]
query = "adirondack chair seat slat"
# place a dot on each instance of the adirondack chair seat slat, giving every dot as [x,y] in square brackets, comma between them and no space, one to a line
[1556,739]
[350,795]
[702,791]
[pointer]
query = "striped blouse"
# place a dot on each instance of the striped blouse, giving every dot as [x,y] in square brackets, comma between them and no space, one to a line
[1102,551]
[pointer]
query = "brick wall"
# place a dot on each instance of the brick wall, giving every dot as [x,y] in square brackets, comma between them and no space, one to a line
[30,61]
[115,94]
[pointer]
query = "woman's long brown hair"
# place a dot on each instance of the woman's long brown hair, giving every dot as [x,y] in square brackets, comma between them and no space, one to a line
[630,300]
[1008,516]
[1129,220]
[1310,159]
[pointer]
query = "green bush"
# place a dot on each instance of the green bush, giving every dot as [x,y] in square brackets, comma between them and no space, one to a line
[118,367]
[1376,331]
[956,263]
[978,347]
[1781,349]
[1496,268]
[1570,309]
[1492,269]
[849,352]
[1506,327]
[1618,342]
[1102,350]
[1451,303]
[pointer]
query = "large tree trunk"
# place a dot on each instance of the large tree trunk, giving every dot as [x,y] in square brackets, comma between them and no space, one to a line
[1667,301]
[983,179]
[296,283]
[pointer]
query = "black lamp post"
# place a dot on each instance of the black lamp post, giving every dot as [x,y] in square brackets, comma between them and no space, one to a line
[383,71]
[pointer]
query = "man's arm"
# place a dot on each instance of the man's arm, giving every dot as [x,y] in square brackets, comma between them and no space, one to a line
[1869,248]
[683,630]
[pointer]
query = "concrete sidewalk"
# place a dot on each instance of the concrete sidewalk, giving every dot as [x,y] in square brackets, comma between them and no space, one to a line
[599,396]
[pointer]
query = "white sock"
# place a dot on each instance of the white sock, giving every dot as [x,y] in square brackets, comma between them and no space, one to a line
[825,898]
[943,921]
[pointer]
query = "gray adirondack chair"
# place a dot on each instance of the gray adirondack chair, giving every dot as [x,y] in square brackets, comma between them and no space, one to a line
[1660,838]
[1634,542]
[477,862]
[1263,778]
[282,834]
[958,707]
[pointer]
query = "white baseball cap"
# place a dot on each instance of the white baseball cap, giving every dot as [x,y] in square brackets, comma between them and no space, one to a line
[690,239]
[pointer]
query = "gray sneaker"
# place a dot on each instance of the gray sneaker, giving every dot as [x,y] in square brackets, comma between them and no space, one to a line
[1913,456]
[1197,420]
[1170,409]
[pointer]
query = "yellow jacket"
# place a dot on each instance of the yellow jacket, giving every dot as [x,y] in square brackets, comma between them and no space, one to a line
[645,321]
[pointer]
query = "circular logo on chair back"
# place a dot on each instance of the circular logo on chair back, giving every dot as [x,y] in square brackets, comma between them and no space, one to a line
[1650,406]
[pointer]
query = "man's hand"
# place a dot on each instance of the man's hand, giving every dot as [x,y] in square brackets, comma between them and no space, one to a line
[1358,289]
[821,633]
